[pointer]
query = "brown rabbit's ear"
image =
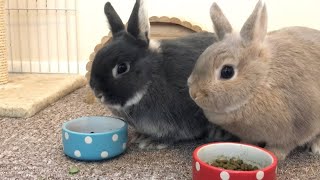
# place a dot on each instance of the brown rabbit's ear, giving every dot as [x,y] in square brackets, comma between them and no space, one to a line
[138,24]
[220,22]
[255,28]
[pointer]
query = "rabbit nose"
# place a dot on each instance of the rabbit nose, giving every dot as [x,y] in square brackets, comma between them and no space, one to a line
[193,94]
[196,94]
[92,84]
[189,82]
[99,95]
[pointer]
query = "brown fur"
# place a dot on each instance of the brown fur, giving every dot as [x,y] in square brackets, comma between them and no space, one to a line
[275,95]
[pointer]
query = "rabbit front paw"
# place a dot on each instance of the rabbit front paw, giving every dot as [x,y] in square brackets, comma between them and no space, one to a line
[146,142]
[220,135]
[280,152]
[315,145]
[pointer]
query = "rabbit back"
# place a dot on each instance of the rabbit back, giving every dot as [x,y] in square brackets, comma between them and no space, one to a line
[295,64]
[295,53]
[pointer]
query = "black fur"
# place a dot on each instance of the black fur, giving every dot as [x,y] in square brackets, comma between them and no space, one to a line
[166,112]
[133,24]
[114,20]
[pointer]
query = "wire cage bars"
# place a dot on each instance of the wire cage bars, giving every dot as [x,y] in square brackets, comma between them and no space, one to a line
[42,36]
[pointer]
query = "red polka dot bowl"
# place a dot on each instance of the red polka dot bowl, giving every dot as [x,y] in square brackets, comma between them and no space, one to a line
[265,160]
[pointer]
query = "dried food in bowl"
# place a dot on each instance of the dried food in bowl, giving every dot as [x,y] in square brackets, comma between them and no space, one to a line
[233,163]
[265,160]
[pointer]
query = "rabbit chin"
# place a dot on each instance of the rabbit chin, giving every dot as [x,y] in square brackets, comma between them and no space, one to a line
[131,101]
[235,107]
[223,109]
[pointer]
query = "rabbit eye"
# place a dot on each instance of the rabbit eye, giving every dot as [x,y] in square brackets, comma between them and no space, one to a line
[227,72]
[120,69]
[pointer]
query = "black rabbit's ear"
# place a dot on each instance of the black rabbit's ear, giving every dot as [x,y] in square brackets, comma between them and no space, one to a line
[115,23]
[138,24]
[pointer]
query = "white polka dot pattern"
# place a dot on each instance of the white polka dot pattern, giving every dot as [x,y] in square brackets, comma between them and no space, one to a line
[260,175]
[104,154]
[197,166]
[77,153]
[224,175]
[66,135]
[88,140]
[115,137]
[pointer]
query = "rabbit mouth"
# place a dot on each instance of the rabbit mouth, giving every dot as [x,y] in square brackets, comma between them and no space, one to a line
[103,100]
[232,108]
[218,107]
[229,108]
[203,102]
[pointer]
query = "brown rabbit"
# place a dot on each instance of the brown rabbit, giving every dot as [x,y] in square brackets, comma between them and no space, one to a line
[261,87]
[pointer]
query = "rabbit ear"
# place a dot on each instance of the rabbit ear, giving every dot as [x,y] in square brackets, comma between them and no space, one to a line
[138,24]
[115,23]
[220,22]
[255,28]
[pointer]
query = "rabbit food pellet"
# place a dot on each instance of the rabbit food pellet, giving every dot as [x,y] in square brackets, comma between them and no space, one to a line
[233,164]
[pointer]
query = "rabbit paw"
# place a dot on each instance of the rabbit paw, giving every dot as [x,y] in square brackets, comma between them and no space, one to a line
[279,152]
[146,142]
[315,145]
[217,134]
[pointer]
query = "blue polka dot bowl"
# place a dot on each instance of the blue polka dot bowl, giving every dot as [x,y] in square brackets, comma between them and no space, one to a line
[94,138]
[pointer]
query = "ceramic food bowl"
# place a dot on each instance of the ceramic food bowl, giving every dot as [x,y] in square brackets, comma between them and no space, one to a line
[263,159]
[94,138]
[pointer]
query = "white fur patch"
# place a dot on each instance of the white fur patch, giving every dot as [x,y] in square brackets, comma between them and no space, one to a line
[115,107]
[144,24]
[154,45]
[135,99]
[114,71]
[132,101]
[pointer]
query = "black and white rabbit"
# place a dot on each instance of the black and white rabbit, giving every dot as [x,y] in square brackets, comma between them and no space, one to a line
[145,81]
